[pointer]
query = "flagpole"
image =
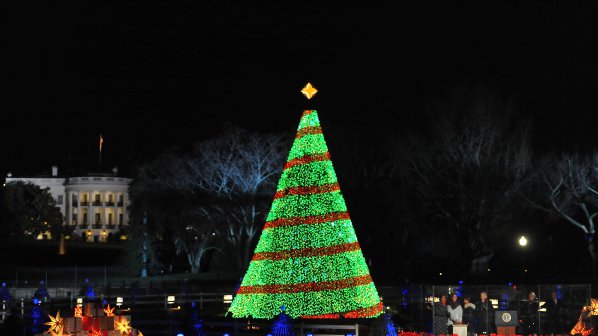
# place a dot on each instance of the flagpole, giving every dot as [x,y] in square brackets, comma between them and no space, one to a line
[101,142]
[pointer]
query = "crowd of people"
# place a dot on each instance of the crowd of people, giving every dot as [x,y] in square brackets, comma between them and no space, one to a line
[480,315]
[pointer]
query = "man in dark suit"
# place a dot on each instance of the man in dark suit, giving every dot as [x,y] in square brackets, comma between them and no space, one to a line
[528,313]
[554,318]
[485,315]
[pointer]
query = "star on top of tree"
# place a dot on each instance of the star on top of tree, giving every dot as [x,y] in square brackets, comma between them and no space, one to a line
[309,91]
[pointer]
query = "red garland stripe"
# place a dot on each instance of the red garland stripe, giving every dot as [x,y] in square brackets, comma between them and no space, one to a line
[307,159]
[308,130]
[365,312]
[300,220]
[362,312]
[306,286]
[308,190]
[307,112]
[307,252]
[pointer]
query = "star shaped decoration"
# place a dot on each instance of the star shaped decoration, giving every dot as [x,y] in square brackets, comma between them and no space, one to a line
[55,324]
[96,332]
[60,333]
[109,311]
[309,91]
[593,308]
[78,311]
[123,327]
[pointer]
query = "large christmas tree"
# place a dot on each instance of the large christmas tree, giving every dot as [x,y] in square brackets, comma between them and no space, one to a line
[308,258]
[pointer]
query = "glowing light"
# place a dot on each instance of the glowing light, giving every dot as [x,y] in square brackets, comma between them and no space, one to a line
[123,327]
[308,258]
[593,308]
[78,311]
[309,91]
[119,301]
[522,241]
[55,324]
[109,311]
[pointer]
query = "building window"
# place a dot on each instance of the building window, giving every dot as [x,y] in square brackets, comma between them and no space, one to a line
[110,219]
[120,219]
[85,200]
[59,199]
[98,219]
[74,219]
[85,218]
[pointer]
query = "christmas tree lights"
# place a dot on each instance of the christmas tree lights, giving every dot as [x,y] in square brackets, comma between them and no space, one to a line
[308,258]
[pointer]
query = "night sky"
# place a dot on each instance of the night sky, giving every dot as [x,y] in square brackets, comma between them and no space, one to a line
[153,74]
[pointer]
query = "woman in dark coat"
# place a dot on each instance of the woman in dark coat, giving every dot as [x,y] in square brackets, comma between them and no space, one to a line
[440,316]
[469,314]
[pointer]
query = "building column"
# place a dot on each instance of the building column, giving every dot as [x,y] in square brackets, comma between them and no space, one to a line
[69,208]
[115,211]
[125,201]
[90,214]
[103,211]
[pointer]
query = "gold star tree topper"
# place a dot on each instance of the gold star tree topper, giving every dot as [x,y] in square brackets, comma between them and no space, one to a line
[309,91]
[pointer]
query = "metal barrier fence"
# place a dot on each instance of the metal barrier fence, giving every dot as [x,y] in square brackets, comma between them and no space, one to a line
[60,276]
[417,307]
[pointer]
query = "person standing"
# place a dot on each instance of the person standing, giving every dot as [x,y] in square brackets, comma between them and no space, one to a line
[484,315]
[455,311]
[554,308]
[440,316]
[469,315]
[529,315]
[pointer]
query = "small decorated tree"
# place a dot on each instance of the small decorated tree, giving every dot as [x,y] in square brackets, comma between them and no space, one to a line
[383,326]
[283,325]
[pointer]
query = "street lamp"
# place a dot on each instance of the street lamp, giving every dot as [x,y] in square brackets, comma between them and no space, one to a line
[523,244]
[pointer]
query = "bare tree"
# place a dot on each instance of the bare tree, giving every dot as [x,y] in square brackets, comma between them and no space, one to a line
[572,192]
[468,171]
[221,190]
[237,172]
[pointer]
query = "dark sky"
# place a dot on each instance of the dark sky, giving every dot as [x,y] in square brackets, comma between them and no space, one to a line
[152,73]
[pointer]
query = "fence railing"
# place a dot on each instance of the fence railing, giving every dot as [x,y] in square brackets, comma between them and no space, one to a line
[417,307]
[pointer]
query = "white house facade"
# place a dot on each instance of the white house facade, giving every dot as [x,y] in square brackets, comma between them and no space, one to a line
[94,206]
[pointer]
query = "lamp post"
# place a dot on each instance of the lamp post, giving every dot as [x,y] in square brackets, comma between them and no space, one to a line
[522,243]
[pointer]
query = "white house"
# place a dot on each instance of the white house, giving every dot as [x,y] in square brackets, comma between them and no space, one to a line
[94,206]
